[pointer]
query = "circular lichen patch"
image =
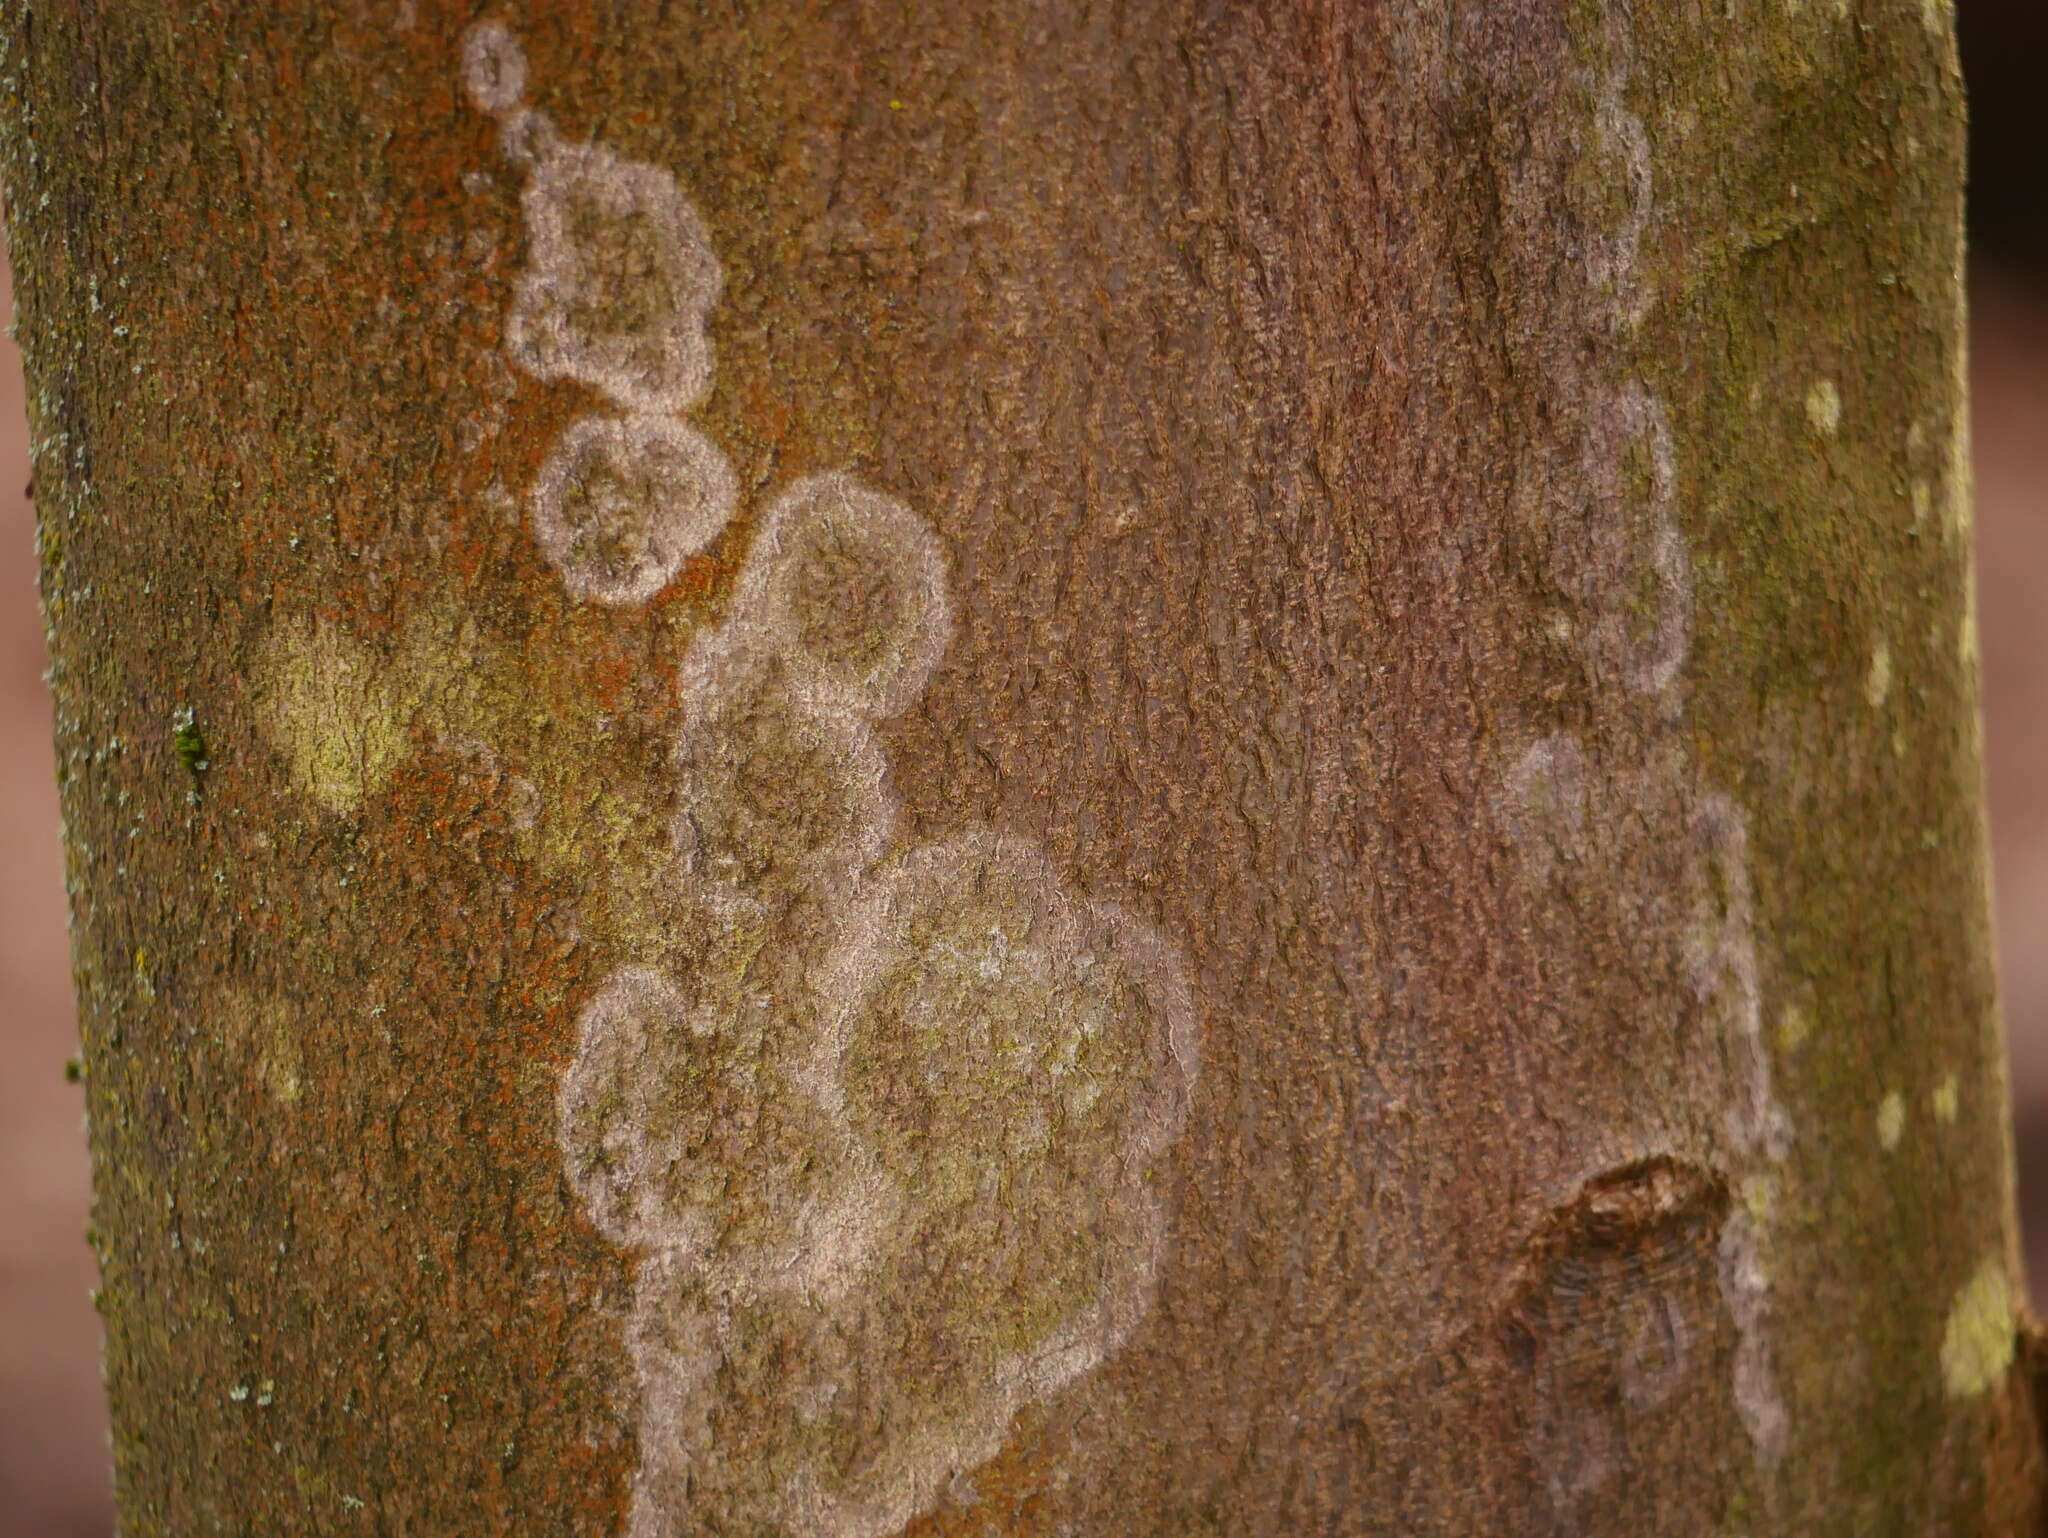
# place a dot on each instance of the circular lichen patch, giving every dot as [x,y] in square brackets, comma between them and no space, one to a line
[622,503]
[849,587]
[678,1126]
[770,791]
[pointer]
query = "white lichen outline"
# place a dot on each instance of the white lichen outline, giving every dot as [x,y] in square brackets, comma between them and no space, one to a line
[729,665]
[759,647]
[1083,1343]
[541,340]
[1546,787]
[764,603]
[700,502]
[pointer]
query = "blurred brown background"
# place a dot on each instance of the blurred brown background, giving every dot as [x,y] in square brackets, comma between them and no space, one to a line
[53,1456]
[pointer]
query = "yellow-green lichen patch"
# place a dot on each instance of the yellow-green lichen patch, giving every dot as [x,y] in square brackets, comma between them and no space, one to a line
[1760,1196]
[1946,1100]
[1962,513]
[1795,1024]
[333,711]
[1977,1346]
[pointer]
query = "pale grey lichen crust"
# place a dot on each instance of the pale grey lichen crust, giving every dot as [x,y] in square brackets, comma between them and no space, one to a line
[883,1144]
[1629,811]
[618,282]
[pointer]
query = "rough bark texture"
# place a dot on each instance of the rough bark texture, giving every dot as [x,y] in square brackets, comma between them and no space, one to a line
[1381,928]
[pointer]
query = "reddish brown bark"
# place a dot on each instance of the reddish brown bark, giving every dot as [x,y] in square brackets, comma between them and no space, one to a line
[1270,822]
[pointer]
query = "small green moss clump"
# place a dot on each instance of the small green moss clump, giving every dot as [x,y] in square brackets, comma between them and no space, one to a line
[187,743]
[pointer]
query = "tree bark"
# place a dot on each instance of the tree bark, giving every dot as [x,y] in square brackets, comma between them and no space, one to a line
[1007,769]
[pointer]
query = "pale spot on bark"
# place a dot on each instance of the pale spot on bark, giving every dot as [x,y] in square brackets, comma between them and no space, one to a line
[1877,678]
[1977,1345]
[1659,661]
[1891,1121]
[1946,1100]
[1795,1024]
[493,67]
[611,1143]
[849,588]
[771,793]
[1960,485]
[1746,1288]
[1612,263]
[822,1158]
[971,1017]
[263,1030]
[619,278]
[989,1020]
[1577,819]
[331,711]
[1627,562]
[1723,961]
[1824,407]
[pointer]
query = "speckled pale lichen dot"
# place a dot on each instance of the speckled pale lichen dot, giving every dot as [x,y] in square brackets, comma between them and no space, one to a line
[1877,678]
[1891,1121]
[1977,1344]
[1946,1100]
[1795,1024]
[1824,407]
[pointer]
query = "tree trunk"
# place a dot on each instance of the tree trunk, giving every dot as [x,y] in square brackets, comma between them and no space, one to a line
[1019,769]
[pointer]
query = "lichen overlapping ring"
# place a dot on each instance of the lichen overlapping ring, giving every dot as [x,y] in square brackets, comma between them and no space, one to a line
[890,1177]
